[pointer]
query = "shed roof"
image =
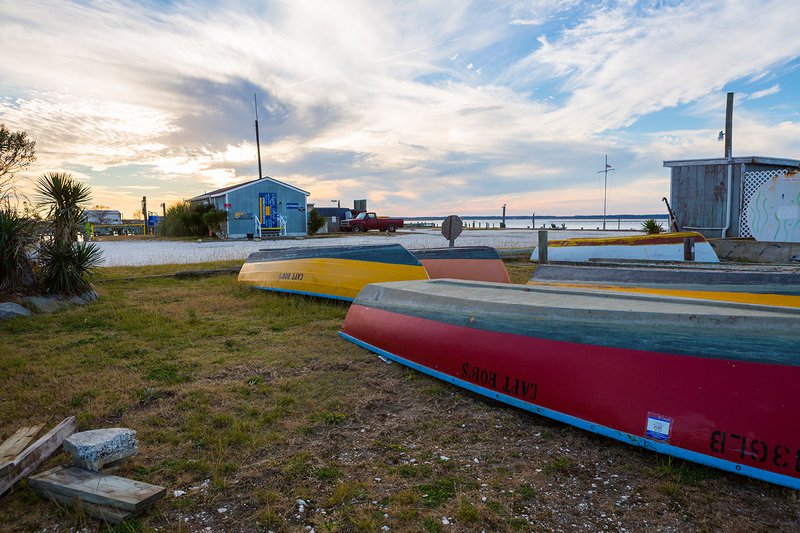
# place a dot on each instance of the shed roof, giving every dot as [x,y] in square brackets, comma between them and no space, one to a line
[231,188]
[751,159]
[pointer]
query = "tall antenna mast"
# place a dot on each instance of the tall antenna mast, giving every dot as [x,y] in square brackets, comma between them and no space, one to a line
[258,143]
[605,188]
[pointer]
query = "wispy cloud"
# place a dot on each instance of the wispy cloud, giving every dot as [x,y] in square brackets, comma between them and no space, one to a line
[775,89]
[417,107]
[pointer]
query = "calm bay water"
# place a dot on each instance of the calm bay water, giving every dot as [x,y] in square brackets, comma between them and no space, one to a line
[546,223]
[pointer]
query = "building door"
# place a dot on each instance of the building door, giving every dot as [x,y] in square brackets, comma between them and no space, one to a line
[268,209]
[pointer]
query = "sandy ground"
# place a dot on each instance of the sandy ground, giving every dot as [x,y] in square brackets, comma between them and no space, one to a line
[154,252]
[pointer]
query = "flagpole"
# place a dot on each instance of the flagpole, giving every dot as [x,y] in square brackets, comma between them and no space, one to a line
[258,142]
[605,188]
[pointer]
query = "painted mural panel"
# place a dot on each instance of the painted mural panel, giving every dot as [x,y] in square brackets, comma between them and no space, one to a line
[774,210]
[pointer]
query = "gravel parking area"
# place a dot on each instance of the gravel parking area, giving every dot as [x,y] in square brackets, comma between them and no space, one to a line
[155,251]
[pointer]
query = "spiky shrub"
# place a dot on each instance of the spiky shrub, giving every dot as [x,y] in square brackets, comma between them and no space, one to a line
[67,267]
[63,197]
[652,227]
[17,239]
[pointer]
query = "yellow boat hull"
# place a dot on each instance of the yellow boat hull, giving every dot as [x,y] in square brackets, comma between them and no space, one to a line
[330,277]
[769,299]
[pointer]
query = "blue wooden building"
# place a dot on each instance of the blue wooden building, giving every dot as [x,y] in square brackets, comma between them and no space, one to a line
[264,206]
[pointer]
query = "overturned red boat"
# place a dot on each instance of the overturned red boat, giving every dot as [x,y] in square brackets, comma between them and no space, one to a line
[710,382]
[474,263]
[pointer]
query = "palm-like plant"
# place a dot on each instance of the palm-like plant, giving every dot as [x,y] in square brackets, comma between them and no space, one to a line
[66,265]
[64,197]
[17,237]
[652,227]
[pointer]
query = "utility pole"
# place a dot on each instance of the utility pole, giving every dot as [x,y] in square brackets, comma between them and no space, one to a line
[258,142]
[729,158]
[144,213]
[729,127]
[605,187]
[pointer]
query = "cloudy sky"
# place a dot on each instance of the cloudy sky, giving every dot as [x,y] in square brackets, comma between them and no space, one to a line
[423,107]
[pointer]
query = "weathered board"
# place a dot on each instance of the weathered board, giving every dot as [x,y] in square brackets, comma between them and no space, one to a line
[17,442]
[107,514]
[35,454]
[92,487]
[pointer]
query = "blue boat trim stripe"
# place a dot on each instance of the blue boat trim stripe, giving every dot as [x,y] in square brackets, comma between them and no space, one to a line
[464,252]
[394,254]
[305,293]
[627,438]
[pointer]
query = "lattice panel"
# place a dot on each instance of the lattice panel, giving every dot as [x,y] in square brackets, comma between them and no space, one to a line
[752,181]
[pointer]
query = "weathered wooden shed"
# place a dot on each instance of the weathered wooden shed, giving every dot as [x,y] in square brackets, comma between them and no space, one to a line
[264,206]
[712,196]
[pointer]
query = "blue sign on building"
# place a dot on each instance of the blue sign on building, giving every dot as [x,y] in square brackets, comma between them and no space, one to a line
[268,207]
[292,205]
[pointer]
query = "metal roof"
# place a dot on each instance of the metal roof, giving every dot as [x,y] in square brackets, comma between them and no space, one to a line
[231,188]
[751,159]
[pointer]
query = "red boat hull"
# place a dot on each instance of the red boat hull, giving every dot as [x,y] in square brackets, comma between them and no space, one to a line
[731,414]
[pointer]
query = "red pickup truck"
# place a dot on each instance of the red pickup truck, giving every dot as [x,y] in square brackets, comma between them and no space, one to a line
[368,220]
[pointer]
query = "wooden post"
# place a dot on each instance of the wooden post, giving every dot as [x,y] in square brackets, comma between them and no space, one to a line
[542,247]
[688,248]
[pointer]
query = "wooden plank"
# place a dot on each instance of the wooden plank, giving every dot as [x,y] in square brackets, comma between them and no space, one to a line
[92,487]
[17,442]
[107,514]
[35,454]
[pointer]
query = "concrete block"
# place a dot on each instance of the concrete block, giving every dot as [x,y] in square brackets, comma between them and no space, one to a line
[12,310]
[44,304]
[54,304]
[94,449]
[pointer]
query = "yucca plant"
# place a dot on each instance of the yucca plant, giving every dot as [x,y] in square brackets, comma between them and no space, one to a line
[63,197]
[652,227]
[67,267]
[17,238]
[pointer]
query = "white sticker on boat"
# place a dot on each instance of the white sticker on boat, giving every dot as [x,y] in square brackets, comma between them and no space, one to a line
[658,427]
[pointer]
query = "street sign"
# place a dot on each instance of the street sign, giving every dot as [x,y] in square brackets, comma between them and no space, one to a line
[452,228]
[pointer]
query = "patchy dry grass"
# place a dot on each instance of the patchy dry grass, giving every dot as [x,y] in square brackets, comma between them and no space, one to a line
[250,402]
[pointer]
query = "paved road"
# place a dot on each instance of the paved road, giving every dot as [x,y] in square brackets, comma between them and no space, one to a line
[155,252]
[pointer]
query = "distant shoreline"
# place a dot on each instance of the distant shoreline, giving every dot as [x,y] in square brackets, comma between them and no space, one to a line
[550,217]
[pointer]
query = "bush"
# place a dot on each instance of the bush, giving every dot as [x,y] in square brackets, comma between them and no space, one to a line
[17,240]
[315,222]
[215,219]
[651,227]
[186,220]
[64,197]
[67,267]
[174,223]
